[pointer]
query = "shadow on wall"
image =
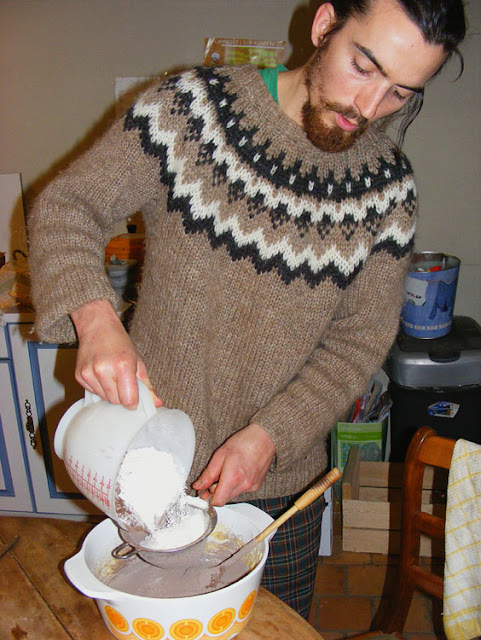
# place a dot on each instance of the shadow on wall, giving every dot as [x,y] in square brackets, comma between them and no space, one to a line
[300,34]
[96,131]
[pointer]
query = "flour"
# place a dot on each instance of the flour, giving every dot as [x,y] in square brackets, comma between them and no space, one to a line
[151,496]
[189,523]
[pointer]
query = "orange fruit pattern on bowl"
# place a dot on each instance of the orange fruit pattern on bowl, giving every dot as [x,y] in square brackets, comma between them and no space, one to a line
[247,605]
[147,629]
[186,630]
[116,619]
[221,621]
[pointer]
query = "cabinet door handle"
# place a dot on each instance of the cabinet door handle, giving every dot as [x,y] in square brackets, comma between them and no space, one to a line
[29,426]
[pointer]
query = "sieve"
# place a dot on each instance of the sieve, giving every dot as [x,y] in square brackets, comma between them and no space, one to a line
[186,555]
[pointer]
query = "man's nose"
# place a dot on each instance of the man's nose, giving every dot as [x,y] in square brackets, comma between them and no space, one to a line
[368,100]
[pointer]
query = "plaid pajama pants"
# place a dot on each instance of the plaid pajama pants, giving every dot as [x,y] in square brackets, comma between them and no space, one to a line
[290,571]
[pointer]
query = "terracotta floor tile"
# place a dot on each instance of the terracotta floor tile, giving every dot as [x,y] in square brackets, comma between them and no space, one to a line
[348,557]
[366,581]
[436,560]
[380,558]
[337,613]
[435,609]
[350,588]
[314,612]
[332,635]
[419,616]
[370,580]
[331,580]
[336,545]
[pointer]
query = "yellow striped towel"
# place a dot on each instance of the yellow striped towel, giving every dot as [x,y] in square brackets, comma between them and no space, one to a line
[462,569]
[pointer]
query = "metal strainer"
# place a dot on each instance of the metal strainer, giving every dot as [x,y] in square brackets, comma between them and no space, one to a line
[186,555]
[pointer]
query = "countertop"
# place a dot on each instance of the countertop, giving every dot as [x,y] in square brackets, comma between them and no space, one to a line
[37,602]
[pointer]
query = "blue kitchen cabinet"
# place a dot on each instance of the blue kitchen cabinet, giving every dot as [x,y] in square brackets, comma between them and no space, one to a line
[37,386]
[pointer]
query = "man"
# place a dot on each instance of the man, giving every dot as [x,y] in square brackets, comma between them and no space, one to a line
[278,237]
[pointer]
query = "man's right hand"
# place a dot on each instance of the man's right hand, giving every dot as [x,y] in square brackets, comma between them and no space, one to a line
[108,363]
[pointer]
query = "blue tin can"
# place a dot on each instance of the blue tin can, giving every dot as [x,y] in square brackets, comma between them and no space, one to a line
[429,295]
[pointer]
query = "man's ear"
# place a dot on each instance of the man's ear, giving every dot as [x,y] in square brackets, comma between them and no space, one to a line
[323,20]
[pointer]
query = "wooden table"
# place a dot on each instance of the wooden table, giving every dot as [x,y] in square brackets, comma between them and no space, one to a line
[37,602]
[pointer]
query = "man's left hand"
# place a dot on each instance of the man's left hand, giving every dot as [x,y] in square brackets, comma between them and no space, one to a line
[238,466]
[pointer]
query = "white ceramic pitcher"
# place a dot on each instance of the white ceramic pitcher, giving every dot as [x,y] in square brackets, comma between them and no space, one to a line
[94,435]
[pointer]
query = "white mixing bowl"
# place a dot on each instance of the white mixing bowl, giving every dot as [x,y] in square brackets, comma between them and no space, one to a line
[219,614]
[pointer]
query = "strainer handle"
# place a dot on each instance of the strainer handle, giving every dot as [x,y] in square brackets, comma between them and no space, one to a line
[120,554]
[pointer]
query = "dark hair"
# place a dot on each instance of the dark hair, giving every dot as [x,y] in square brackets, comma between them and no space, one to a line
[442,22]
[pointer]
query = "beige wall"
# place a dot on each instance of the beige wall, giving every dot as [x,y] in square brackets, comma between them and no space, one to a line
[59,60]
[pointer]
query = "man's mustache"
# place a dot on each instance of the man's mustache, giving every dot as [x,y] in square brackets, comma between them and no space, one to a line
[347,112]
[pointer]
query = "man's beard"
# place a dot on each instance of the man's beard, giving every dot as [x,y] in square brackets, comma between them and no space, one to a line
[332,138]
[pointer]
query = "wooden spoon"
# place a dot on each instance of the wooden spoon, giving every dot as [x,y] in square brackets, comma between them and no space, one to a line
[212,574]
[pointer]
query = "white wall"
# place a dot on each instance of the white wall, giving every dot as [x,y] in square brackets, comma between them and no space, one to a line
[444,145]
[59,60]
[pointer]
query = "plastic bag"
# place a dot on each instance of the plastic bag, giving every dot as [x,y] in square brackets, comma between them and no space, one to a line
[233,51]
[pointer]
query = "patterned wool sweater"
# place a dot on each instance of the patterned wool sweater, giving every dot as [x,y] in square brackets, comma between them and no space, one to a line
[274,272]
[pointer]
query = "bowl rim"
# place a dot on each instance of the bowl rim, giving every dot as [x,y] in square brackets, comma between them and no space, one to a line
[109,594]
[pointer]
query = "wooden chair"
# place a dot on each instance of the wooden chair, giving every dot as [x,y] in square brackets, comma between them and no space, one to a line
[426,448]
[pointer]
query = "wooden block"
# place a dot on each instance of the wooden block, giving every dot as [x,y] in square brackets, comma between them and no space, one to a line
[385,542]
[350,479]
[372,505]
[359,514]
[381,474]
[380,494]
[390,494]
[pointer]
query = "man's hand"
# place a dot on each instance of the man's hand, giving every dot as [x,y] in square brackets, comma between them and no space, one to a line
[239,465]
[107,362]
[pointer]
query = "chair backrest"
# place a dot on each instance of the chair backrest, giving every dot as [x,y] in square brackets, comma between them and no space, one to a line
[426,448]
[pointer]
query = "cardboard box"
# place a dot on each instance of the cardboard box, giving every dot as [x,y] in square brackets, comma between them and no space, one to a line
[371,505]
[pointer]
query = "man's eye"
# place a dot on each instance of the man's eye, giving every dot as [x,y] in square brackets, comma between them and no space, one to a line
[359,69]
[399,96]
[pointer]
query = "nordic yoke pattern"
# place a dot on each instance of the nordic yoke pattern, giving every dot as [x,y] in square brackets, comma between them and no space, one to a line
[274,271]
[279,199]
